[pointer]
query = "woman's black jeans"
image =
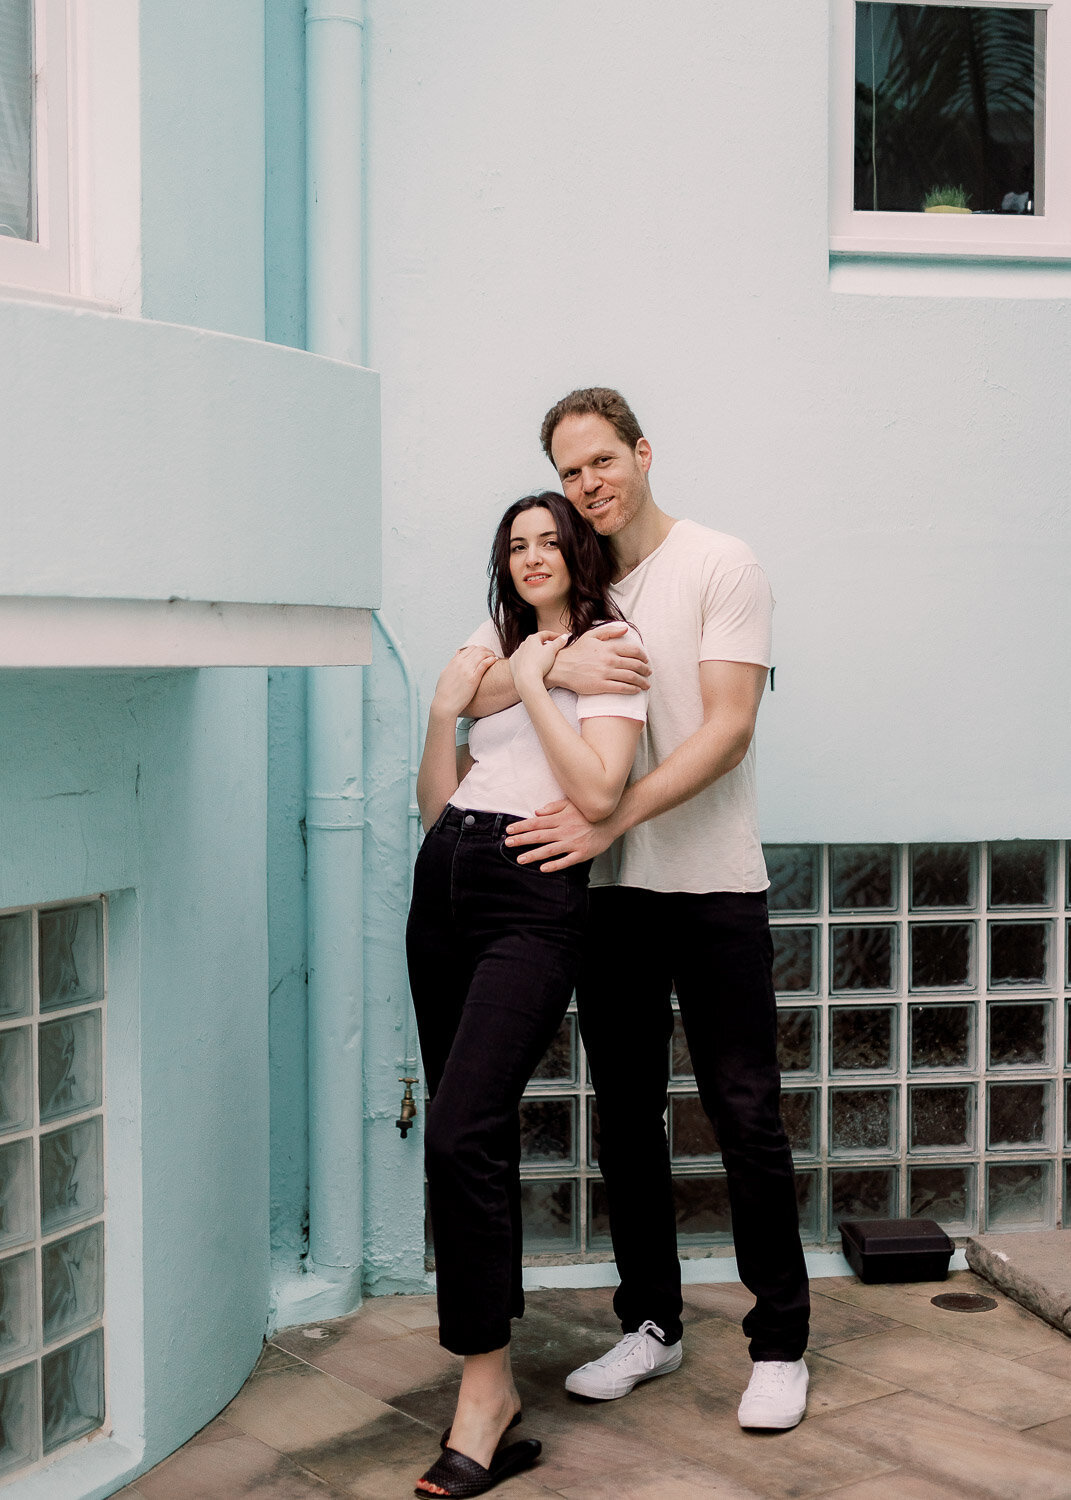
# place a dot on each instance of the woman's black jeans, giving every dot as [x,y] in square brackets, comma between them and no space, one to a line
[494,949]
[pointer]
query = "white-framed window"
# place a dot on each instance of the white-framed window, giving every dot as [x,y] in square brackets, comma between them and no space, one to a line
[951,128]
[52,1003]
[35,171]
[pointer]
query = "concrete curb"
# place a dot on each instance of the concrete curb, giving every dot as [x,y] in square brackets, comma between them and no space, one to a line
[1033,1269]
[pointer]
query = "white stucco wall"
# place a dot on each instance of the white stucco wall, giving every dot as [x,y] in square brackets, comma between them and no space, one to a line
[636,194]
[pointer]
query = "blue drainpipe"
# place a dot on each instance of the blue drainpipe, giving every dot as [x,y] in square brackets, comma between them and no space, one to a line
[335,790]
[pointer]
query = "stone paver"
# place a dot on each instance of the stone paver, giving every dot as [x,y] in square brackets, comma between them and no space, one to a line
[907,1403]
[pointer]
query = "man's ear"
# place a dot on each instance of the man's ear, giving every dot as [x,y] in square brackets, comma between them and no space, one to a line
[644,454]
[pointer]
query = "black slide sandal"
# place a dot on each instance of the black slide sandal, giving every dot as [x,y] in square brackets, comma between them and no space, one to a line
[458,1477]
[516,1417]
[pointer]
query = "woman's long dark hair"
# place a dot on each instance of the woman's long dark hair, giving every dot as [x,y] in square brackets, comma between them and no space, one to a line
[589,573]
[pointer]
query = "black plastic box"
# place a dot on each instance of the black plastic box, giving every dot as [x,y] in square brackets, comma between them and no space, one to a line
[896,1249]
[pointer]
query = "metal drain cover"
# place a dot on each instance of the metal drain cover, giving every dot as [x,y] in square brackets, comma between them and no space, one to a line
[964,1302]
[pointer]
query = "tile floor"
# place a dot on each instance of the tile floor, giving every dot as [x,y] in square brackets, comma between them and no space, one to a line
[907,1403]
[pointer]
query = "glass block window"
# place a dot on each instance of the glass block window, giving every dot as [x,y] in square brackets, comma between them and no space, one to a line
[52,994]
[924,1033]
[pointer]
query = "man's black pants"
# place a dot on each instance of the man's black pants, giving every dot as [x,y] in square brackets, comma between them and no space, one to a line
[494,949]
[716,950]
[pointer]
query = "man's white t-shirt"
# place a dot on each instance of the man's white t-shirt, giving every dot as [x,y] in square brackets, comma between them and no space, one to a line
[700,596]
[510,771]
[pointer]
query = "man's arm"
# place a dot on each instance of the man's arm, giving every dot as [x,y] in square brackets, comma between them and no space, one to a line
[599,662]
[731,694]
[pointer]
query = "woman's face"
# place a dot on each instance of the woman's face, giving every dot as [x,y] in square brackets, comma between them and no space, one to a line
[536,565]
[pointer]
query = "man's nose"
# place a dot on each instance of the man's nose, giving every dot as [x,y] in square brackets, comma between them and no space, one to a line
[591,480]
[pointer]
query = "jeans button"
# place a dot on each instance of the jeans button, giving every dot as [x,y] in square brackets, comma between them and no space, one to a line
[470,821]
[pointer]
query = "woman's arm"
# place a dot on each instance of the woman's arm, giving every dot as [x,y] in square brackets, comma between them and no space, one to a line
[591,766]
[440,765]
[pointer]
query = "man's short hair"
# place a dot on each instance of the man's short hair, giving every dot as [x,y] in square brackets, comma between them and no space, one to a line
[593,401]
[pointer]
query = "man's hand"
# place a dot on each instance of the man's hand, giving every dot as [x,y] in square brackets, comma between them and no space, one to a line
[600,662]
[563,835]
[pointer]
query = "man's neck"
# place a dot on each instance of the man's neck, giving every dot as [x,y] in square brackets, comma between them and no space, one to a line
[643,535]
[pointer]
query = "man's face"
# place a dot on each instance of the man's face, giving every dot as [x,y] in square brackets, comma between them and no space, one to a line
[601,476]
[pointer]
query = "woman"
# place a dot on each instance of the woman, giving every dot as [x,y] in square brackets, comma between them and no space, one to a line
[493,946]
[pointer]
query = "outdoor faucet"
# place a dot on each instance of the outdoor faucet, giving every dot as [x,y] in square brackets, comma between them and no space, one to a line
[408,1115]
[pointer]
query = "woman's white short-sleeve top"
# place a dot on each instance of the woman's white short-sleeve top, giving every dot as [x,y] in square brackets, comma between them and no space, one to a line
[510,772]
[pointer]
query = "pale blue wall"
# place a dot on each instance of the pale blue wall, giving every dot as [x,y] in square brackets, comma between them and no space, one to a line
[637,195]
[155,785]
[202,162]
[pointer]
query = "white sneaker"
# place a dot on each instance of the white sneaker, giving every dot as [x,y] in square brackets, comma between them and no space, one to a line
[776,1396]
[639,1356]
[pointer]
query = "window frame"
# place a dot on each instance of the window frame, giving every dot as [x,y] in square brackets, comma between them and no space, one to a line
[1045,236]
[44,263]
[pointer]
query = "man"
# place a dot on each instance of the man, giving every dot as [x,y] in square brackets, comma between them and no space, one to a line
[678,899]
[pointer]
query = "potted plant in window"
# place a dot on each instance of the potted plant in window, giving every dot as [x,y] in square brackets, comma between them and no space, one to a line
[946,200]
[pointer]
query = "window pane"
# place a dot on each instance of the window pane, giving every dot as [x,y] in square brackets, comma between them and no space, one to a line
[863,958]
[862,876]
[16,1073]
[862,1037]
[941,954]
[797,1041]
[15,992]
[1020,873]
[690,1132]
[558,1063]
[941,1036]
[945,99]
[69,1067]
[942,1117]
[809,1203]
[1017,1194]
[1018,953]
[16,1193]
[795,961]
[72,1184]
[17,1306]
[942,875]
[680,1059]
[702,1205]
[862,1119]
[866,1193]
[72,1390]
[1018,1114]
[548,1135]
[548,1214]
[793,872]
[942,1193]
[18,1417]
[72,1281]
[1019,1034]
[799,1111]
[16,119]
[70,956]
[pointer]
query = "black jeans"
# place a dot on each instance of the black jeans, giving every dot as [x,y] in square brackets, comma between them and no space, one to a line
[716,950]
[494,949]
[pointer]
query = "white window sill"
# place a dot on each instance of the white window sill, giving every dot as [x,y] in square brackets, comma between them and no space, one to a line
[12,293]
[880,274]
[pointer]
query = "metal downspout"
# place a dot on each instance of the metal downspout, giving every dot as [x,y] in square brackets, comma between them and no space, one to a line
[409,1062]
[335,788]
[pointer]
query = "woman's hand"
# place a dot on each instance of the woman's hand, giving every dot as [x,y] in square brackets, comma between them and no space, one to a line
[534,658]
[460,678]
